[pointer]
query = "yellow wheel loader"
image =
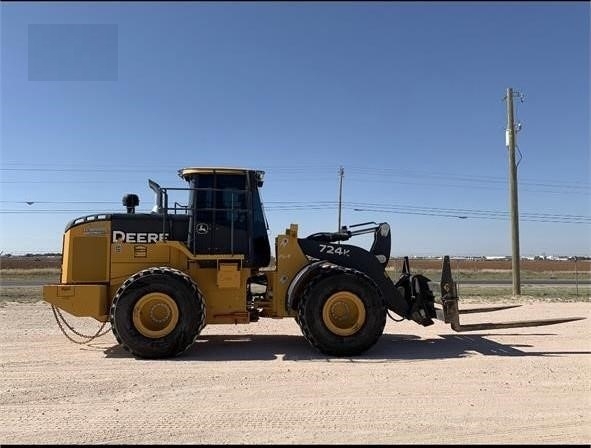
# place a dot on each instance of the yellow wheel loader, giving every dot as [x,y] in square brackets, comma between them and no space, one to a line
[160,277]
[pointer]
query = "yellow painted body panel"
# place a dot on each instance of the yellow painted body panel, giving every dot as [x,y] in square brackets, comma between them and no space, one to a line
[86,254]
[225,305]
[289,259]
[228,275]
[93,269]
[79,300]
[129,258]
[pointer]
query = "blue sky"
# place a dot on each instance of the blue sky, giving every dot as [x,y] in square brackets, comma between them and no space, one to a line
[406,96]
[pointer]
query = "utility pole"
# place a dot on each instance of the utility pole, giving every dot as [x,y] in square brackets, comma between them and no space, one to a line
[341,174]
[510,142]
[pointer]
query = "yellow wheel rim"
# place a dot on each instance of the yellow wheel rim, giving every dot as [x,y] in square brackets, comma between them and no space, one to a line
[155,315]
[343,313]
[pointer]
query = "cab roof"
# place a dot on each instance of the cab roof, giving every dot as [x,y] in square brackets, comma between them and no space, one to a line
[211,170]
[186,173]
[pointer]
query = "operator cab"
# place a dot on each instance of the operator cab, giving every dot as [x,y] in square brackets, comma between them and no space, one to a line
[226,214]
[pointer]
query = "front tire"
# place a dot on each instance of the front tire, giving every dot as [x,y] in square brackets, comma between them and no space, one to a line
[157,313]
[342,314]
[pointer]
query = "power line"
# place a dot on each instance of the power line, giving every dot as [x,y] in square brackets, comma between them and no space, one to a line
[298,205]
[565,189]
[396,173]
[355,172]
[492,216]
[409,210]
[473,183]
[381,207]
[59,202]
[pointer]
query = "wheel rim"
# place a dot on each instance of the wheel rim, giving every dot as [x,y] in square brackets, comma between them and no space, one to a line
[343,313]
[155,315]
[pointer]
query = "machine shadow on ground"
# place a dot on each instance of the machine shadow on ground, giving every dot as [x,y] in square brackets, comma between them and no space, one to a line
[389,348]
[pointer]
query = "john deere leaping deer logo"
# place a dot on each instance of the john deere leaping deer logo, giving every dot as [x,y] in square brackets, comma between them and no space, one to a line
[202,228]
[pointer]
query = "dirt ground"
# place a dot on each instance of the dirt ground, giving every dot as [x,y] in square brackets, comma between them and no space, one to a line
[262,384]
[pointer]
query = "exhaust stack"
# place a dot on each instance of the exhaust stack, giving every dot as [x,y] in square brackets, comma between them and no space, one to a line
[158,199]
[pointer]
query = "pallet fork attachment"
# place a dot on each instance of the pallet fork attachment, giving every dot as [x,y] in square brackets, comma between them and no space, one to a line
[449,312]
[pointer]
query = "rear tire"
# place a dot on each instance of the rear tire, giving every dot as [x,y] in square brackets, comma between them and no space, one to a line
[157,313]
[342,314]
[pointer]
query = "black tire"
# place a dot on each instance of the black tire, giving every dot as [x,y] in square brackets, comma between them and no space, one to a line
[342,314]
[157,313]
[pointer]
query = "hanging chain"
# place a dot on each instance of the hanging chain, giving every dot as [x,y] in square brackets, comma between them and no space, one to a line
[58,315]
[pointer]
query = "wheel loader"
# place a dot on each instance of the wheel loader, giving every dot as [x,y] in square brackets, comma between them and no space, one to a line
[159,278]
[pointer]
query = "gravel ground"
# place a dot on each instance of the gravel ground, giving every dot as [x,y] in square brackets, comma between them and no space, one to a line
[263,384]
